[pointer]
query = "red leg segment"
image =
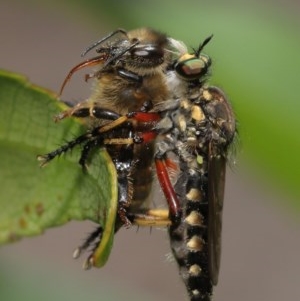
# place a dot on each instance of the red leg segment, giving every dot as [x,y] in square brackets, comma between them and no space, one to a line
[175,210]
[144,116]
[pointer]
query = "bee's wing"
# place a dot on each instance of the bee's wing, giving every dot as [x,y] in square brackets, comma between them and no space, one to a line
[216,184]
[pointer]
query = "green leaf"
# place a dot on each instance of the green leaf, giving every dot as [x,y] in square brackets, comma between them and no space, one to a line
[33,198]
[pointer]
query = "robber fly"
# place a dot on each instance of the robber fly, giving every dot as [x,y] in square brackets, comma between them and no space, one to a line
[198,126]
[129,80]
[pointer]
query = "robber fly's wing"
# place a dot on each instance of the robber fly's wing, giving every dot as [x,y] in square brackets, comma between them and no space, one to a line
[216,184]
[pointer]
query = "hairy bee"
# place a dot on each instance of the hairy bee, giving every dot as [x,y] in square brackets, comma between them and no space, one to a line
[198,125]
[129,80]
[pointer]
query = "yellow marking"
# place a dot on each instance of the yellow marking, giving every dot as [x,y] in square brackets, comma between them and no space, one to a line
[194,219]
[195,270]
[194,195]
[205,59]
[153,217]
[207,95]
[118,141]
[185,104]
[113,124]
[195,244]
[186,56]
[182,123]
[197,114]
[163,213]
[199,159]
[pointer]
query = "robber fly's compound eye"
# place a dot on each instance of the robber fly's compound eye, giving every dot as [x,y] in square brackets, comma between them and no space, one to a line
[190,67]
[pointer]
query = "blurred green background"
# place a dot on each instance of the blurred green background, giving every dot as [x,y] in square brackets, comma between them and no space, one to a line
[255,52]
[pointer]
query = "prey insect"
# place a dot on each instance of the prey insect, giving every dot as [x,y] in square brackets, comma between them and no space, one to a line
[198,125]
[128,81]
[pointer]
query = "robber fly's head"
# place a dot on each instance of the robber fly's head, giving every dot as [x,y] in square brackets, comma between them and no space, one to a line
[191,66]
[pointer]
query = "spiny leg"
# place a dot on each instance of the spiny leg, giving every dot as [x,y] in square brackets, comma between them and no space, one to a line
[148,218]
[91,137]
[44,159]
[87,148]
[93,238]
[82,112]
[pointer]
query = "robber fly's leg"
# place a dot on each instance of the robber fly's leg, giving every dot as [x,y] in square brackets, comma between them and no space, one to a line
[93,137]
[175,210]
[91,239]
[44,159]
[143,133]
[130,76]
[88,146]
[86,109]
[150,218]
[144,122]
[153,217]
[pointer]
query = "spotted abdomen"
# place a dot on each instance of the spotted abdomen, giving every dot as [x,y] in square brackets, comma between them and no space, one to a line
[189,237]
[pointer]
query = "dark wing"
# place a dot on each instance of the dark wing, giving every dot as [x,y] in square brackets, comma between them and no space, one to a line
[216,184]
[219,111]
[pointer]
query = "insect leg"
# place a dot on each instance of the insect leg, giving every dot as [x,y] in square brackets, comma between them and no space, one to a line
[130,76]
[95,235]
[94,139]
[153,217]
[44,159]
[175,210]
[85,109]
[94,134]
[87,149]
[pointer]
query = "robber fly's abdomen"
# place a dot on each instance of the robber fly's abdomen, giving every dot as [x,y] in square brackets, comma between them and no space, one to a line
[189,237]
